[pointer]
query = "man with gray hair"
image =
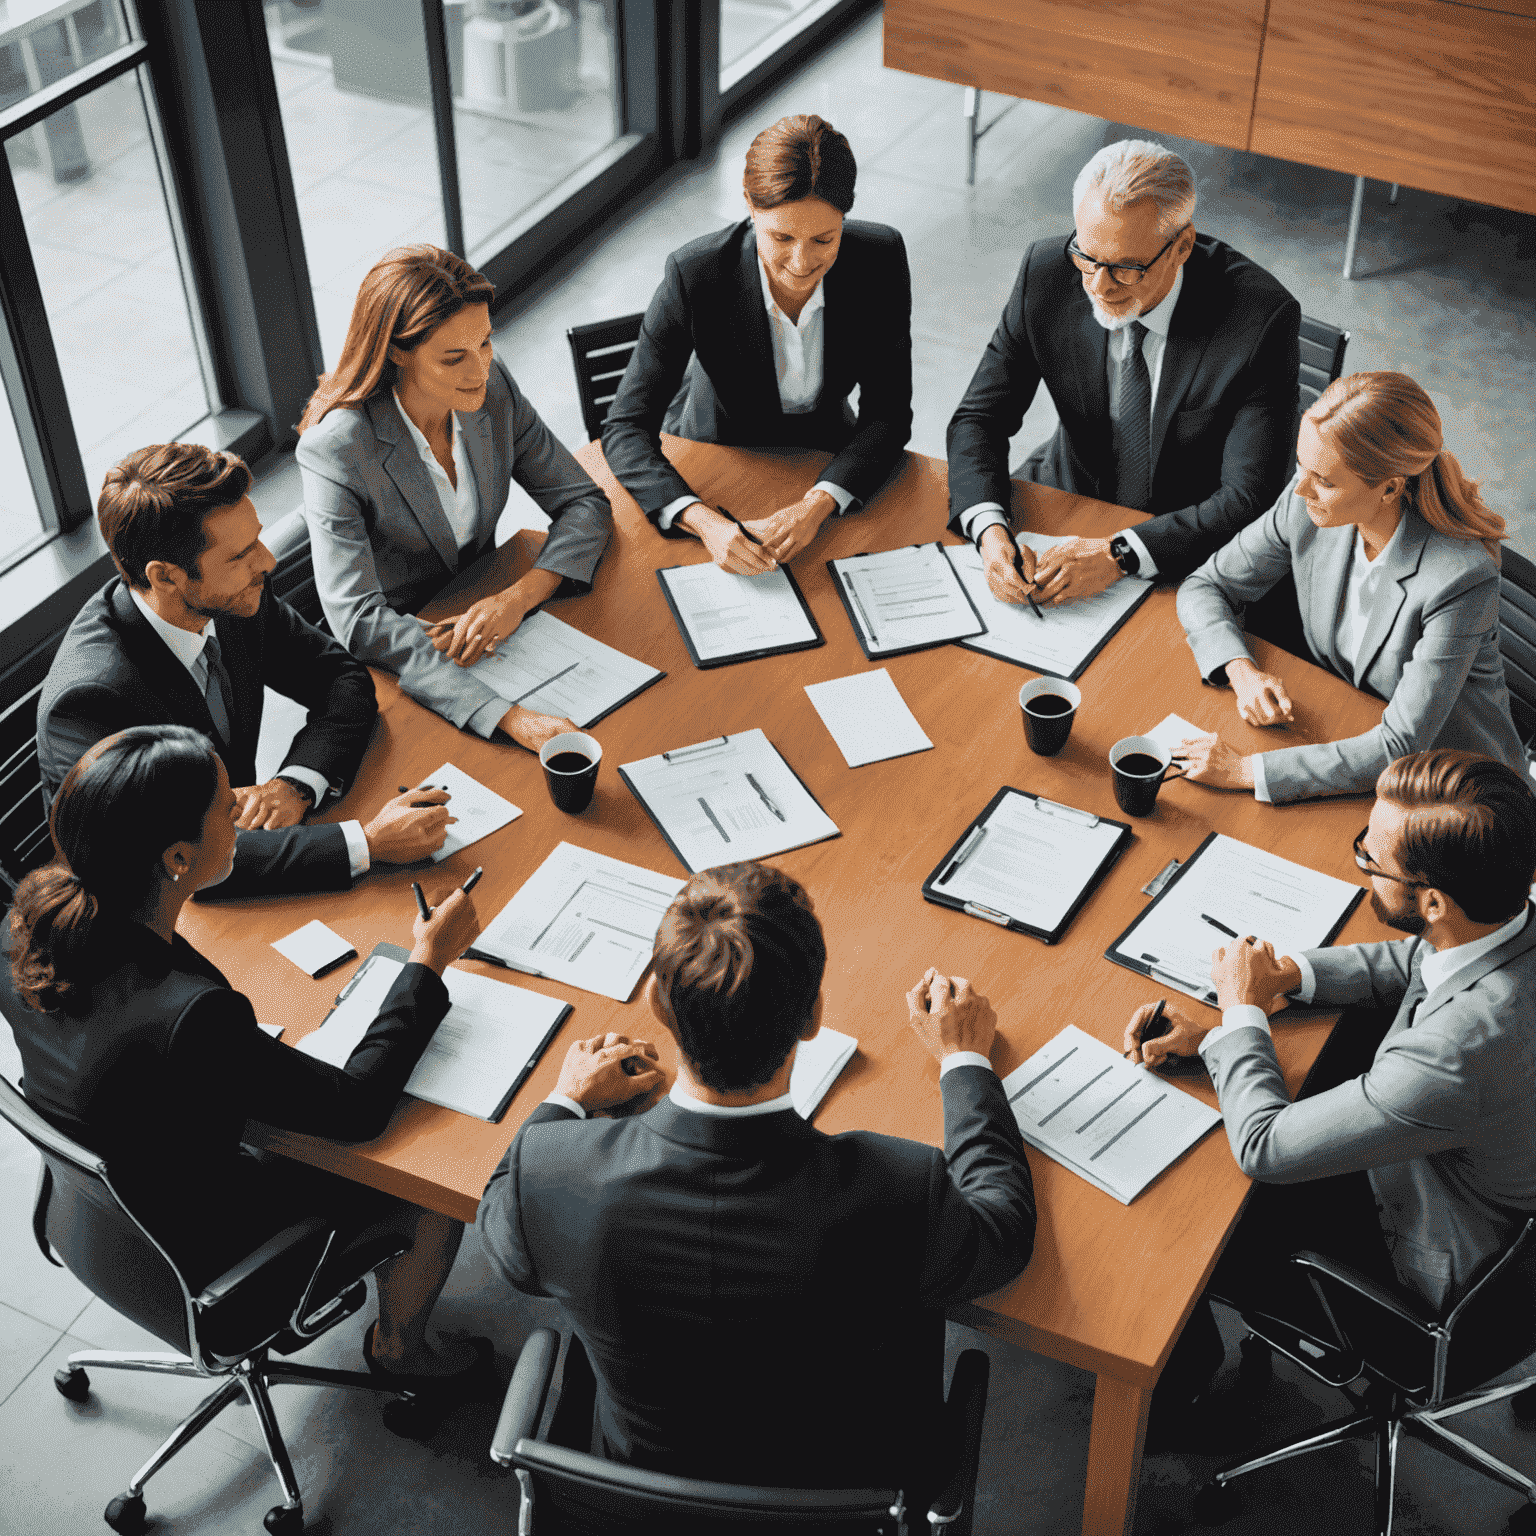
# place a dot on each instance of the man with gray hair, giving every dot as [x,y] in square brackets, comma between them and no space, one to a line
[1171,359]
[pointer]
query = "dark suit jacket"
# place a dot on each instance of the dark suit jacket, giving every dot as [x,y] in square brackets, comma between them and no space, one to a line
[709,307]
[158,1065]
[1223,424]
[113,671]
[757,1298]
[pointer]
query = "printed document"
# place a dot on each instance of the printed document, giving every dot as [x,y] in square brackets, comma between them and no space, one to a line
[817,1063]
[481,811]
[1082,1103]
[547,666]
[867,717]
[728,799]
[904,598]
[584,919]
[1062,638]
[728,615]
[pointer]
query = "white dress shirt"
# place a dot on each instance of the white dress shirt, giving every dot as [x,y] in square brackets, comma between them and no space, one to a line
[799,352]
[187,647]
[975,520]
[1360,591]
[461,503]
[1438,966]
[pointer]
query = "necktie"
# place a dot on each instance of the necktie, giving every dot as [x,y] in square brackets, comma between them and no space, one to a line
[1415,995]
[218,690]
[1134,472]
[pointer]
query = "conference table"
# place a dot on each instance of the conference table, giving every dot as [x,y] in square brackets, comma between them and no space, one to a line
[1109,1286]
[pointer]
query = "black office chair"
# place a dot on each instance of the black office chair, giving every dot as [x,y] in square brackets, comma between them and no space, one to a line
[1517,640]
[293,577]
[600,354]
[1417,1370]
[1322,359]
[565,1489]
[24,838]
[298,1285]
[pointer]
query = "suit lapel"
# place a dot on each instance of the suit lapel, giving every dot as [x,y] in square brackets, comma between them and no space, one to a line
[1460,980]
[476,427]
[403,465]
[1327,572]
[1089,347]
[758,376]
[158,665]
[1188,335]
[1402,562]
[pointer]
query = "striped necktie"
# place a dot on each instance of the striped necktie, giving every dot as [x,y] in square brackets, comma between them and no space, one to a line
[1133,484]
[217,690]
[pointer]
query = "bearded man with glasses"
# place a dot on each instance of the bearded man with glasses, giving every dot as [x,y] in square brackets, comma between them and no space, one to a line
[1171,360]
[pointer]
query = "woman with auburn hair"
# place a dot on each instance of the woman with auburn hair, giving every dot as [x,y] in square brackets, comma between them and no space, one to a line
[408,451]
[136,1046]
[1396,562]
[757,336]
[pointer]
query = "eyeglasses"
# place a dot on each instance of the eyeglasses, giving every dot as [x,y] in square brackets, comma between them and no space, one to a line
[1126,273]
[1369,865]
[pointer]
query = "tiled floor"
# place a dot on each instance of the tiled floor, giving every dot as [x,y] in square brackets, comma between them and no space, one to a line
[1447,294]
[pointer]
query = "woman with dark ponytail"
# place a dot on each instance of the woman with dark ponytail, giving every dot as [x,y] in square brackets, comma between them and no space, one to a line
[136,1046]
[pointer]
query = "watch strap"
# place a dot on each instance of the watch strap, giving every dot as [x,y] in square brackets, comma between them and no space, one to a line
[1123,553]
[297,784]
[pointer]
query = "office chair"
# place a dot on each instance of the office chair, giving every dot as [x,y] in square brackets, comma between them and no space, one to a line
[25,841]
[1322,359]
[293,577]
[1517,640]
[296,1286]
[600,354]
[565,1489]
[1417,1371]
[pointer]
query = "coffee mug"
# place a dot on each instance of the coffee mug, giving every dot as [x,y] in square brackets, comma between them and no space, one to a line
[1049,705]
[1140,765]
[570,769]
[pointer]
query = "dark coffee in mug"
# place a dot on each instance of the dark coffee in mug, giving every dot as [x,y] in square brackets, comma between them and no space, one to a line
[1139,764]
[569,762]
[1049,704]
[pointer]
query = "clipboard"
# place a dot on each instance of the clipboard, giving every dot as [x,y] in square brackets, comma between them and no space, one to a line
[860,625]
[703,664]
[1123,838]
[1187,984]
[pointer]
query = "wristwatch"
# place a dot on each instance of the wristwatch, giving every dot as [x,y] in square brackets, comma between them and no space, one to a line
[1123,553]
[297,784]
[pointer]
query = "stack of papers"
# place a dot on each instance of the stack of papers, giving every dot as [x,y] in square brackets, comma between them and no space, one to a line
[817,1063]
[724,617]
[905,599]
[868,718]
[480,811]
[1083,1104]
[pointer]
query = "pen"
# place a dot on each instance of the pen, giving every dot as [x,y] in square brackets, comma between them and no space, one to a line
[1231,933]
[1030,596]
[967,848]
[416,805]
[421,902]
[486,958]
[1155,1026]
[473,880]
[764,798]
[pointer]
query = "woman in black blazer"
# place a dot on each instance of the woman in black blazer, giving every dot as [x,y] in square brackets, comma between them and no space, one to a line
[779,337]
[136,1046]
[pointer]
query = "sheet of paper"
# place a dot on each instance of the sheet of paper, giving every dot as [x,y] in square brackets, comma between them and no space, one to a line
[547,666]
[1003,863]
[313,948]
[728,799]
[868,718]
[1061,639]
[726,615]
[907,597]
[481,811]
[585,919]
[1248,890]
[1171,731]
[817,1063]
[1082,1103]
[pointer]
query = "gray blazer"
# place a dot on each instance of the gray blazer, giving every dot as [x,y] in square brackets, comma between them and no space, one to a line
[382,546]
[1442,1122]
[1431,646]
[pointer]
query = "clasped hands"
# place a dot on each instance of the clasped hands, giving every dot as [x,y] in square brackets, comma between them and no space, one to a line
[758,545]
[1074,568]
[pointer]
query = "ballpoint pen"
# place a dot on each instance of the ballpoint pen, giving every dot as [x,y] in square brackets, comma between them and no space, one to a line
[486,958]
[967,848]
[416,805]
[421,902]
[1157,1025]
[1030,597]
[473,880]
[764,798]
[1231,933]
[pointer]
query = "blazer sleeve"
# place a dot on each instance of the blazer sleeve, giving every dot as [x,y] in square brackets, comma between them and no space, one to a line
[1455,627]
[581,521]
[992,410]
[1377,974]
[348,583]
[499,1219]
[981,1200]
[885,385]
[1255,460]
[632,428]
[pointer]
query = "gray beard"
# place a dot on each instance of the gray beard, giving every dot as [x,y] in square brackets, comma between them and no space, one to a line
[1113,322]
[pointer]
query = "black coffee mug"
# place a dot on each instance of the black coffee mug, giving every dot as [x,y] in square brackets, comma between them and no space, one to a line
[570,769]
[1049,705]
[1140,764]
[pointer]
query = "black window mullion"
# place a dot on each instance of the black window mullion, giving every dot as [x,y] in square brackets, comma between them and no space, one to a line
[80,83]
[436,30]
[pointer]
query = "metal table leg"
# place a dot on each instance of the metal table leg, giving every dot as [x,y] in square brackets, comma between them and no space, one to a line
[1354,227]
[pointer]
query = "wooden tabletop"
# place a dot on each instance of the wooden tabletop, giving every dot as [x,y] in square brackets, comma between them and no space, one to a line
[1109,1286]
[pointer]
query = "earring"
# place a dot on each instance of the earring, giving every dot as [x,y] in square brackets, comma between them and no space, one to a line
[175,878]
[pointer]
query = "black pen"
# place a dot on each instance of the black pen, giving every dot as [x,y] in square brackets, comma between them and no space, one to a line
[473,880]
[416,805]
[1156,1026]
[486,958]
[421,902]
[764,798]
[1030,599]
[1231,933]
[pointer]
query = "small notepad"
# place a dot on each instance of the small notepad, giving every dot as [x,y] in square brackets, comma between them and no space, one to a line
[817,1063]
[867,717]
[1171,731]
[314,948]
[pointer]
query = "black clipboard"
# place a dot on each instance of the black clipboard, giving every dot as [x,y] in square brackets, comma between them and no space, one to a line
[861,625]
[1143,967]
[677,853]
[940,898]
[1082,666]
[817,638]
[397,952]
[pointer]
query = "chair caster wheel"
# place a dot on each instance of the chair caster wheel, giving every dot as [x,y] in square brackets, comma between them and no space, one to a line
[411,1418]
[1523,1521]
[125,1514]
[1523,1406]
[283,1521]
[1216,1503]
[72,1383]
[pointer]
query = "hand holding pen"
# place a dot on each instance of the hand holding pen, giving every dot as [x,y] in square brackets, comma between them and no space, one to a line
[443,933]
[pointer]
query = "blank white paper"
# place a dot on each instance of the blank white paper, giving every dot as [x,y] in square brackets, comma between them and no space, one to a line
[313,947]
[1171,731]
[817,1064]
[868,718]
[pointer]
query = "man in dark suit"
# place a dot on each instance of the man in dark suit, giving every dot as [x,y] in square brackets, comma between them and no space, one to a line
[759,1300]
[1171,360]
[190,635]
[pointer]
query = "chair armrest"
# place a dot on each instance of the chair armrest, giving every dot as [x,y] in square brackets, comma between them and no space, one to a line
[288,1257]
[523,1406]
[289,533]
[1378,1295]
[40,1210]
[964,1410]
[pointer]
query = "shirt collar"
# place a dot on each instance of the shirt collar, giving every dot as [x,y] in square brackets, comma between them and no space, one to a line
[1379,563]
[185,645]
[423,447]
[685,1100]
[1160,317]
[1440,965]
[816,301]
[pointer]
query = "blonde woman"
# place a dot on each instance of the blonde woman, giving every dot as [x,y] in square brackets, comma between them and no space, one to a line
[1396,561]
